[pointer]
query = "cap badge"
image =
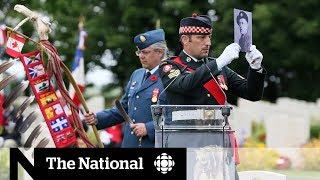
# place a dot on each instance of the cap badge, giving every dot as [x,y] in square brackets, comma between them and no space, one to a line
[142,39]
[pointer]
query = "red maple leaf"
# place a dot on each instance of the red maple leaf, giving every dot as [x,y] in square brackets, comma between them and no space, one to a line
[14,44]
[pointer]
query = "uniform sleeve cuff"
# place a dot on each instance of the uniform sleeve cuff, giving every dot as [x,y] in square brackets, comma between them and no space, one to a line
[258,70]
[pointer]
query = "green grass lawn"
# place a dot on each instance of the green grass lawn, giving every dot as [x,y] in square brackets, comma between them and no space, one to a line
[299,175]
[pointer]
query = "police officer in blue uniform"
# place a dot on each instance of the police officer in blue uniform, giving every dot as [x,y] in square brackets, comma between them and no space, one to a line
[142,91]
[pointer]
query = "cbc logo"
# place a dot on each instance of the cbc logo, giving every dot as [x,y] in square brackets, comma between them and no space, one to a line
[164,163]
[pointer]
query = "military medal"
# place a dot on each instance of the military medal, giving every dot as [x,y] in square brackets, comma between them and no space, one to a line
[155,94]
[222,83]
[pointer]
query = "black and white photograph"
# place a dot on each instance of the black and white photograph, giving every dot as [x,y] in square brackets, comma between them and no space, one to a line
[243,29]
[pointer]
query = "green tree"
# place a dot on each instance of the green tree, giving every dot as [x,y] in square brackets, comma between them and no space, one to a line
[284,30]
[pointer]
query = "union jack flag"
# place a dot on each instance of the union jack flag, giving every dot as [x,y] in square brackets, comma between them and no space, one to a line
[59,124]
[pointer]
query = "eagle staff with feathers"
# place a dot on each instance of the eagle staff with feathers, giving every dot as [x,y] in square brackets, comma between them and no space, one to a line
[63,129]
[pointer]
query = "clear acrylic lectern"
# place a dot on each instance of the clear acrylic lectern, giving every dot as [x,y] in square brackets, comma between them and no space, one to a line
[202,129]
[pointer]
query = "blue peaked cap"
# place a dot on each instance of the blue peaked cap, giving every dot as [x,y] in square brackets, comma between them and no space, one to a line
[148,38]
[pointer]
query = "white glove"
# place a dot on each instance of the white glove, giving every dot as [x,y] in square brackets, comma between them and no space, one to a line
[105,137]
[254,57]
[230,53]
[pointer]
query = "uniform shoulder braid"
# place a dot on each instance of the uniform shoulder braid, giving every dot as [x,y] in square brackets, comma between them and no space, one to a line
[211,58]
[172,57]
[167,60]
[170,60]
[168,64]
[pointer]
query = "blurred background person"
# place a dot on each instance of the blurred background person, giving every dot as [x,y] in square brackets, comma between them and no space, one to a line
[10,136]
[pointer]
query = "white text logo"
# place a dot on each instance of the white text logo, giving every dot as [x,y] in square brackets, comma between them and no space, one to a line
[164,163]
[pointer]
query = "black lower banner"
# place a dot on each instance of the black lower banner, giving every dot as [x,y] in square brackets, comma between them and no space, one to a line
[53,163]
[210,162]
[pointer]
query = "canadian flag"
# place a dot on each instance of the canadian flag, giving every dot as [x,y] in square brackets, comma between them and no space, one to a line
[14,45]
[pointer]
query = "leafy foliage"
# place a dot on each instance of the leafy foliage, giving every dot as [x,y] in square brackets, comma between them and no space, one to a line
[4,163]
[257,159]
[286,32]
[258,137]
[310,153]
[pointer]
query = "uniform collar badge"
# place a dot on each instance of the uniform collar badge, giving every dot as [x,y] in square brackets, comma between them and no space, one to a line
[188,59]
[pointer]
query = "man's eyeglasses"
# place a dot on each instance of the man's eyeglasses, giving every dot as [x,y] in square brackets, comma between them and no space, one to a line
[144,52]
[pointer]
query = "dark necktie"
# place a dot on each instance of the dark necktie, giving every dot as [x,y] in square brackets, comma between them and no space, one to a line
[147,75]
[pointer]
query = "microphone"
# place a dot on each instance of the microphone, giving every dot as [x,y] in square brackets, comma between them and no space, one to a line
[157,110]
[225,111]
[225,102]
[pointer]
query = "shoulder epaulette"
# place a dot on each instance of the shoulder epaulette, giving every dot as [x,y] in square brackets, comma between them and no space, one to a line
[211,58]
[168,60]
[172,57]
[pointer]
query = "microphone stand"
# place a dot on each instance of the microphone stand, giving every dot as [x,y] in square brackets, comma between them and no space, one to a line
[157,111]
[225,113]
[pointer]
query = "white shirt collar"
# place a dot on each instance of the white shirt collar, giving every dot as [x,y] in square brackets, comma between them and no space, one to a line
[193,58]
[153,70]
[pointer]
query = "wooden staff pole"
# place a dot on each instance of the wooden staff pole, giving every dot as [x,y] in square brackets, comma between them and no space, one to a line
[17,32]
[83,102]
